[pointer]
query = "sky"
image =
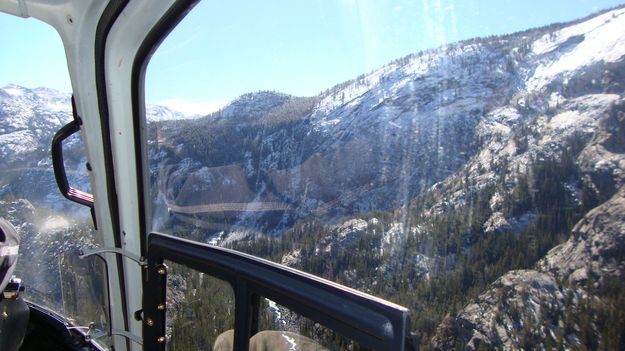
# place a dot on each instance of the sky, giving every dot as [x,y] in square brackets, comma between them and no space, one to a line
[223,49]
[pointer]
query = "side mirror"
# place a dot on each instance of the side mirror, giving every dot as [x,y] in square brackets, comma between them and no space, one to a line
[58,164]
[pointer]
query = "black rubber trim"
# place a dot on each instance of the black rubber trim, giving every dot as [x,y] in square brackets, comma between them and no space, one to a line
[149,45]
[109,16]
[58,165]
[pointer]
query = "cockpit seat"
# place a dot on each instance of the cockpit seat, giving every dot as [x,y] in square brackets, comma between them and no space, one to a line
[266,340]
[14,312]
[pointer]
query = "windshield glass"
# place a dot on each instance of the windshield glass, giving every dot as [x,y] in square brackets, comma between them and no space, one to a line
[431,153]
[52,229]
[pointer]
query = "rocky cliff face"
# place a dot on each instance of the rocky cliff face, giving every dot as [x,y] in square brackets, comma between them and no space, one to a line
[536,308]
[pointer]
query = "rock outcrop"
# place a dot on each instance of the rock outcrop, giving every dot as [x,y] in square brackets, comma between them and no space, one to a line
[531,308]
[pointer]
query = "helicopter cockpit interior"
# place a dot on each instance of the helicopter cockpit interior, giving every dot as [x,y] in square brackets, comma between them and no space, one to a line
[310,175]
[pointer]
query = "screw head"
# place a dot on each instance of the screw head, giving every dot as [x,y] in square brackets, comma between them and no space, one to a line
[149,322]
[161,339]
[161,269]
[161,306]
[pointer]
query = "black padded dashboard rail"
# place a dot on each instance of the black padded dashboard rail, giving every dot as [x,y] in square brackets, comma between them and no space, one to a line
[373,323]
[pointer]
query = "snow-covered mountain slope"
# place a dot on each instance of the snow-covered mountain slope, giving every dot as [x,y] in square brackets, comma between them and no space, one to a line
[376,142]
[29,118]
[253,105]
[561,53]
[162,113]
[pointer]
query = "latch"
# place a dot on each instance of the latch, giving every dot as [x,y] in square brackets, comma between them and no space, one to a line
[13,289]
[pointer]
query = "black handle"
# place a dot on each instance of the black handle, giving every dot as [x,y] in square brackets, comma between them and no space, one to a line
[58,164]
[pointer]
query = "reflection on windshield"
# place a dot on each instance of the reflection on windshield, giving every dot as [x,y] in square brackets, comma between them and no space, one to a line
[52,229]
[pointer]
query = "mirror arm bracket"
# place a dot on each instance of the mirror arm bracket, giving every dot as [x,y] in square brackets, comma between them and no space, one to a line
[86,252]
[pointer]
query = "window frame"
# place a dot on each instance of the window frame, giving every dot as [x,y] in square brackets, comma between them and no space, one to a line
[372,322]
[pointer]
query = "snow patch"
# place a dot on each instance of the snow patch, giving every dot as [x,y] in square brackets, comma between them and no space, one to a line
[18,142]
[598,39]
[291,341]
[14,90]
[53,223]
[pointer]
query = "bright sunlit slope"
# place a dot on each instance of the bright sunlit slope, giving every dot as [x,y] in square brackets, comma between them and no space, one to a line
[224,50]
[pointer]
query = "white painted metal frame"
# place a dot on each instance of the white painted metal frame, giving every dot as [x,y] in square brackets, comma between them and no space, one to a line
[76,21]
[124,40]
